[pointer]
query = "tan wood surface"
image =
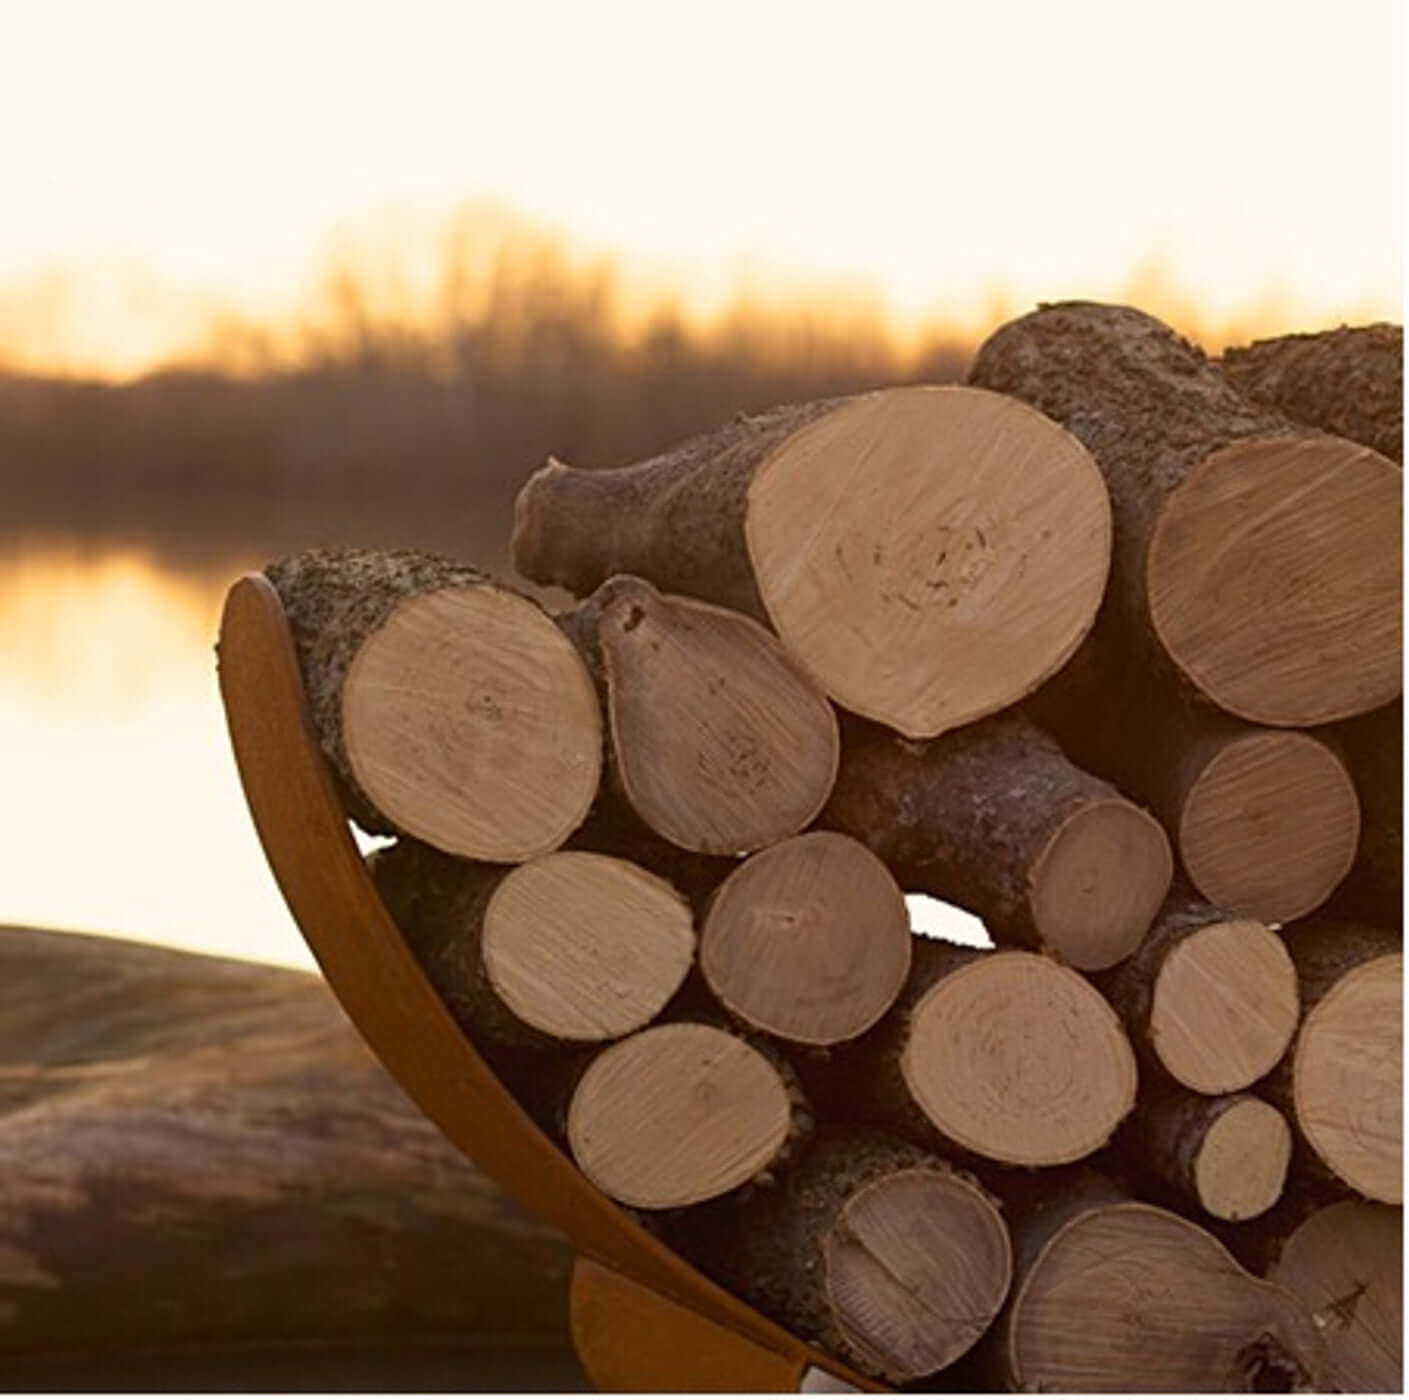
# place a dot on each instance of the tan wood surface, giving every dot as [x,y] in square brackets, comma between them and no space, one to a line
[374,975]
[931,555]
[808,940]
[1242,1161]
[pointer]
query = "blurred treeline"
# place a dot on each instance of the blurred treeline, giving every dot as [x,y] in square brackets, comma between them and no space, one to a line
[381,433]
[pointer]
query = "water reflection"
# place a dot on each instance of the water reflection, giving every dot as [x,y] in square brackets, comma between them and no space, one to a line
[123,812]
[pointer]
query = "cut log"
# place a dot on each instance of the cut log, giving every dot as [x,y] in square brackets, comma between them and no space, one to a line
[808,940]
[1209,998]
[1348,381]
[719,743]
[1130,1297]
[570,947]
[682,1113]
[880,1253]
[1346,1074]
[1262,558]
[1005,1056]
[1345,1262]
[1266,821]
[449,707]
[1373,746]
[993,817]
[929,555]
[1227,1156]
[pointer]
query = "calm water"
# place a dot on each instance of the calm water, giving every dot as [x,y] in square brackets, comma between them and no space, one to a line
[122,808]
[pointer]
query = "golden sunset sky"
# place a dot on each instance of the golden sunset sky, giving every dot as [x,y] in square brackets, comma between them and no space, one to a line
[1233,163]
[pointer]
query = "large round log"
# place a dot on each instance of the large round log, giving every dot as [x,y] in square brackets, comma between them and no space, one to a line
[1209,999]
[572,947]
[449,707]
[1262,558]
[877,1251]
[718,742]
[808,940]
[929,555]
[995,818]
[1348,381]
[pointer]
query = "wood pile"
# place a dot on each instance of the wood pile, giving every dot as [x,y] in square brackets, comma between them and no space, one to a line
[1103,647]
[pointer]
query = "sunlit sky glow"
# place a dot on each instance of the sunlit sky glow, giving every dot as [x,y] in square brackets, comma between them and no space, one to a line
[1231,162]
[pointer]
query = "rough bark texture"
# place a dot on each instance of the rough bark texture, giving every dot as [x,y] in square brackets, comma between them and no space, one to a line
[1348,381]
[676,519]
[203,1162]
[335,600]
[1148,405]
[1373,748]
[767,1246]
[963,817]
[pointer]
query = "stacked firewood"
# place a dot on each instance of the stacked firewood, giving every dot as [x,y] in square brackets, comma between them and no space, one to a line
[1102,646]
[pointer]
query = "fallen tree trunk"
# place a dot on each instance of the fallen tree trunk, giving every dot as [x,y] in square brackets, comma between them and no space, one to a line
[1208,999]
[1343,1084]
[201,1157]
[718,742]
[449,708]
[570,947]
[1348,381]
[1260,557]
[878,1252]
[1226,1156]
[808,940]
[1345,1263]
[880,536]
[1003,1056]
[995,818]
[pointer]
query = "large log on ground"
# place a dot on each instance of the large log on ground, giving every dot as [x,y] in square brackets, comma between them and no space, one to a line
[808,940]
[718,742]
[995,818]
[1122,1296]
[1004,1056]
[1209,999]
[202,1162]
[1259,556]
[1266,821]
[570,947]
[1345,1262]
[1226,1155]
[880,1253]
[1348,381]
[929,555]
[450,708]
[1343,1084]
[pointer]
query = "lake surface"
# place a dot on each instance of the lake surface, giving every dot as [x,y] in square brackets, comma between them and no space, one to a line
[122,811]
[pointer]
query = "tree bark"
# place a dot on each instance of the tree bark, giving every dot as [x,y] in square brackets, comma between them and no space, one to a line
[449,708]
[1348,381]
[993,817]
[877,535]
[1224,513]
[1208,999]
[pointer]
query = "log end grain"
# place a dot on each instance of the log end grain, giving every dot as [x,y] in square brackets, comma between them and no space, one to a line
[1099,882]
[722,744]
[1274,579]
[471,721]
[676,1115]
[1270,825]
[1019,1059]
[585,947]
[1347,1078]
[917,1264]
[1345,1263]
[808,940]
[930,555]
[1224,1006]
[1242,1161]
